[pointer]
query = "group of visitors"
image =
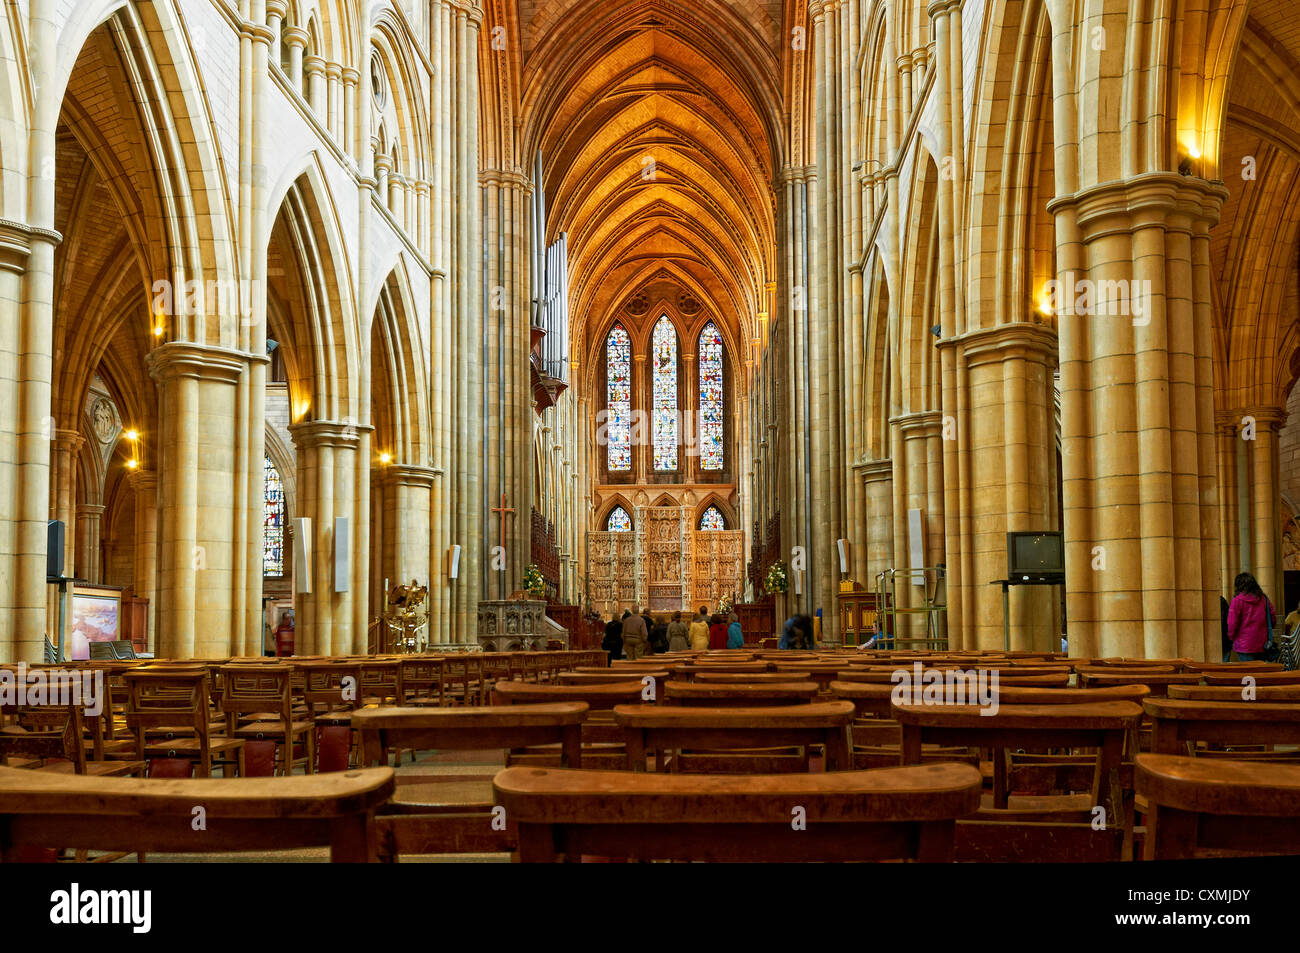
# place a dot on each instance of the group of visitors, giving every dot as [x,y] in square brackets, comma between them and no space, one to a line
[635,634]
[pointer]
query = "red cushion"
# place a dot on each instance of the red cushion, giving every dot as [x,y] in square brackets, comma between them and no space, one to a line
[170,768]
[332,745]
[259,759]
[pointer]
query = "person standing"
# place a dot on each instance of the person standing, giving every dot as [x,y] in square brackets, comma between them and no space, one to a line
[659,637]
[717,633]
[613,640]
[700,631]
[735,634]
[679,638]
[634,634]
[1250,617]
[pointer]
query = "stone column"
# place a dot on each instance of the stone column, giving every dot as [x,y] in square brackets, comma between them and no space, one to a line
[1227,447]
[327,453]
[296,38]
[1009,367]
[314,90]
[1250,495]
[348,133]
[63,492]
[1137,406]
[89,520]
[144,572]
[197,475]
[407,494]
[334,99]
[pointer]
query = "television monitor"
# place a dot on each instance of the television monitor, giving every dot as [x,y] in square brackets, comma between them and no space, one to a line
[1035,554]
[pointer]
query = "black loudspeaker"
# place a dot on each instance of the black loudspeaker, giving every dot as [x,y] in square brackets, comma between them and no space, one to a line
[55,531]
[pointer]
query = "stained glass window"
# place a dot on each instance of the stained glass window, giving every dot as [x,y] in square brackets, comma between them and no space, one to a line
[618,402]
[711,402]
[272,521]
[664,344]
[712,519]
[619,521]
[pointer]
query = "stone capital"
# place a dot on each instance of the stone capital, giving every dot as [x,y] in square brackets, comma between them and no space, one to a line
[16,241]
[925,423]
[201,361]
[937,8]
[1152,199]
[313,63]
[143,481]
[277,8]
[257,32]
[340,434]
[296,36]
[69,441]
[406,474]
[351,76]
[875,471]
[1265,417]
[1013,339]
[512,178]
[89,511]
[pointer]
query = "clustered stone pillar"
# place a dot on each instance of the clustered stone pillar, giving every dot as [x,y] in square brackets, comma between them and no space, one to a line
[197,615]
[327,452]
[1250,493]
[1012,443]
[1137,416]
[144,483]
[506,414]
[89,519]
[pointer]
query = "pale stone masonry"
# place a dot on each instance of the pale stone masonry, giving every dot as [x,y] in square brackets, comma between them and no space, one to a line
[1017,264]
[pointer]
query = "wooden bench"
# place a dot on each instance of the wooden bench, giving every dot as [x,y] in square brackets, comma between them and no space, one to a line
[895,813]
[1260,678]
[1158,683]
[1233,693]
[157,816]
[1198,807]
[661,729]
[421,820]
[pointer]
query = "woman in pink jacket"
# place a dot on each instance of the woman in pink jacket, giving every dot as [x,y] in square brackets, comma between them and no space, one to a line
[1250,616]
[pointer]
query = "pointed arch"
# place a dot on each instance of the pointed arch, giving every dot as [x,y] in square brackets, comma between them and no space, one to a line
[618,399]
[710,360]
[398,379]
[665,394]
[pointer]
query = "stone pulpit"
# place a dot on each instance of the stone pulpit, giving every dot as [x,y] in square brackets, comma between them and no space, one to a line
[513,625]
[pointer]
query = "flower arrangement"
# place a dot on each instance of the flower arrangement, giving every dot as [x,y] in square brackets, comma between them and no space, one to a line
[777,580]
[534,584]
[724,605]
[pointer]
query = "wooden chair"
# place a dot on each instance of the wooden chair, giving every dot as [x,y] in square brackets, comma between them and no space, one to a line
[896,813]
[1234,677]
[602,740]
[240,814]
[421,819]
[422,680]
[677,729]
[1064,830]
[381,681]
[167,712]
[1179,722]
[266,692]
[1212,808]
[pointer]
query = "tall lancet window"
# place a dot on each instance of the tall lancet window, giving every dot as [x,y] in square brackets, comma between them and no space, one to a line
[664,344]
[618,399]
[272,521]
[711,398]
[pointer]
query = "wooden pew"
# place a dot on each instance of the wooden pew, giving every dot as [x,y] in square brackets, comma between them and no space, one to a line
[157,816]
[895,813]
[673,728]
[1260,678]
[1233,693]
[420,820]
[1158,683]
[1199,807]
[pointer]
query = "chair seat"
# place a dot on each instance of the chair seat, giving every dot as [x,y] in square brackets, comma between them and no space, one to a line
[334,719]
[97,769]
[260,729]
[189,747]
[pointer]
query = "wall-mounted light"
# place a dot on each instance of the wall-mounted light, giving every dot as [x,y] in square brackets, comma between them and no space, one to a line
[385,458]
[132,435]
[133,464]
